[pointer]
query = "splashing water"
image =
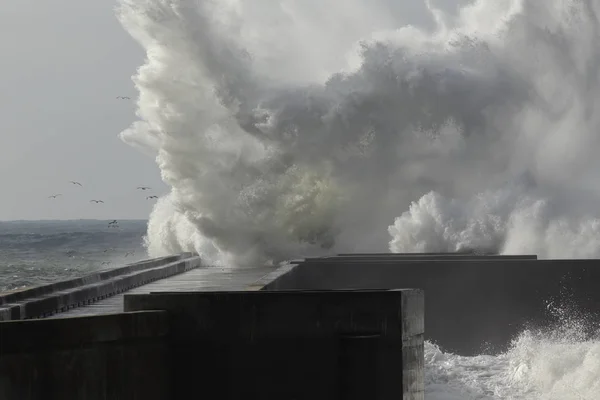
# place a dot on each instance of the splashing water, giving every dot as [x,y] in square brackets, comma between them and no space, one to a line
[561,363]
[480,133]
[296,128]
[536,368]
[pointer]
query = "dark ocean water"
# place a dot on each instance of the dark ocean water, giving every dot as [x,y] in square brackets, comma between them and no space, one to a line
[38,252]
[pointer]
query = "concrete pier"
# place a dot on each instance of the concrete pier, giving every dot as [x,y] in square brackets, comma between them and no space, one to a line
[240,344]
[46,300]
[170,327]
[306,329]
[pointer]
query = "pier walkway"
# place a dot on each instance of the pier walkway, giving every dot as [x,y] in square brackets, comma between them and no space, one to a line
[203,279]
[103,291]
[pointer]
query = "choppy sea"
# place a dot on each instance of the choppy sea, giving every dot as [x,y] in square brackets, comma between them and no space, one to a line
[38,252]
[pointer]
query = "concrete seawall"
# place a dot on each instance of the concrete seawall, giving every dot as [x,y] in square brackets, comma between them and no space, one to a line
[294,345]
[473,305]
[351,325]
[474,302]
[117,357]
[311,345]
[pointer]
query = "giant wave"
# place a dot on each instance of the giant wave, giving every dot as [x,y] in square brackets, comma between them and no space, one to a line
[480,133]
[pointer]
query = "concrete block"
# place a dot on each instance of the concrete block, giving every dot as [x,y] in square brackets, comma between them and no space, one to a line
[294,345]
[472,305]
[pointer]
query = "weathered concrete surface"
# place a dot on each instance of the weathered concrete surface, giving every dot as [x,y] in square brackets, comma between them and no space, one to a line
[93,288]
[202,279]
[288,276]
[118,356]
[472,305]
[277,273]
[294,345]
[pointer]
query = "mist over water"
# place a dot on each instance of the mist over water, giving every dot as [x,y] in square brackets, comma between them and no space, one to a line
[297,128]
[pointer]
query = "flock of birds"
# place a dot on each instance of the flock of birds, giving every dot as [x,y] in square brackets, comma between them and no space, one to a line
[113,223]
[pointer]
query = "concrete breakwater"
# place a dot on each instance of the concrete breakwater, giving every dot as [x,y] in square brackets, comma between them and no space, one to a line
[306,344]
[346,326]
[349,344]
[255,344]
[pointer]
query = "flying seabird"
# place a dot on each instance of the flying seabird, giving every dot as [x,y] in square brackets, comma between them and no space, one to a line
[124,97]
[144,187]
[114,221]
[76,183]
[54,196]
[96,201]
[151,197]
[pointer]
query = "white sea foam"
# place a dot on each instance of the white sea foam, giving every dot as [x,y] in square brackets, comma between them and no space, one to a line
[560,364]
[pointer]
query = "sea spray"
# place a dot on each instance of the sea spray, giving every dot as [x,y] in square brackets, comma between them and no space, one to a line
[275,151]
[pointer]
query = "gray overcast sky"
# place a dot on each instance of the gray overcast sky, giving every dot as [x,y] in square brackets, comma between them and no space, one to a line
[63,62]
